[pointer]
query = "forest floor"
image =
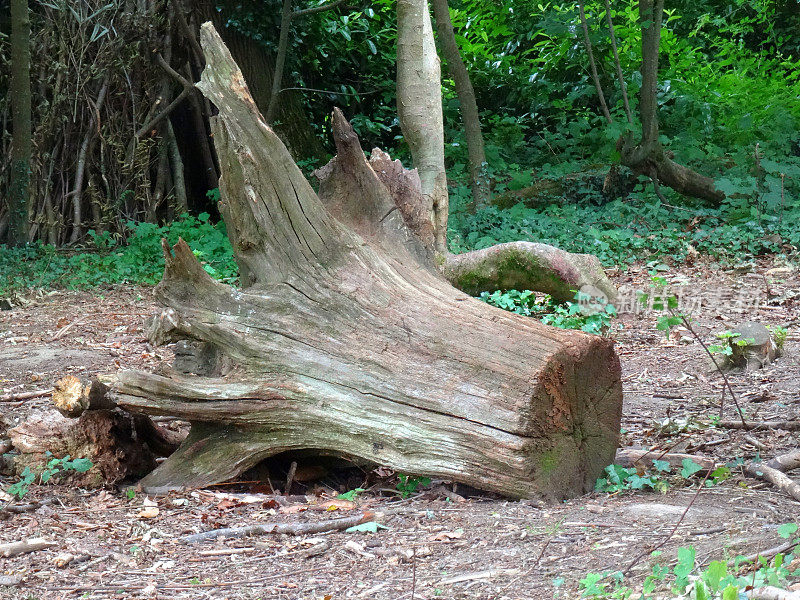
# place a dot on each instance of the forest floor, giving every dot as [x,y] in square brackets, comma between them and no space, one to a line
[433,547]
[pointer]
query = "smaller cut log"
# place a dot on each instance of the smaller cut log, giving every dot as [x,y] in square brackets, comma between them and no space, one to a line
[25,546]
[72,398]
[752,347]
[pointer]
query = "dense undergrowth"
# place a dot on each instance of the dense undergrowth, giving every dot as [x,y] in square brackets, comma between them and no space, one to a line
[638,227]
[106,261]
[618,232]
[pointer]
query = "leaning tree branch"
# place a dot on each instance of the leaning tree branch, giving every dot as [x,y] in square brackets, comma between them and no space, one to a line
[152,123]
[617,63]
[173,73]
[592,65]
[317,9]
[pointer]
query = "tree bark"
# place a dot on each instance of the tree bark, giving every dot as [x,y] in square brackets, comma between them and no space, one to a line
[481,194]
[346,339]
[419,106]
[21,146]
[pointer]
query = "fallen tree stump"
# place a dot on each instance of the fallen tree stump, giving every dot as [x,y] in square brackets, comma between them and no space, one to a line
[346,339]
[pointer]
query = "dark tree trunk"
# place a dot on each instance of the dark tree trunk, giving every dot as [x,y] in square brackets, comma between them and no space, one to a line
[280,60]
[257,65]
[347,340]
[469,107]
[648,156]
[21,146]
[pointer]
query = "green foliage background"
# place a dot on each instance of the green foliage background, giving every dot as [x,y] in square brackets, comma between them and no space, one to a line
[729,101]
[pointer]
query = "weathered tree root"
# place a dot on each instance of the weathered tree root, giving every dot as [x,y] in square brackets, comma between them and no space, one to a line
[528,266]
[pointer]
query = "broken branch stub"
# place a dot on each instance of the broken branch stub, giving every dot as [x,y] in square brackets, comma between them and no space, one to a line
[346,339]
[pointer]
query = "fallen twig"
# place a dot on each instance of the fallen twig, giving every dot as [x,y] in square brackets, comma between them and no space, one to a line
[25,546]
[765,554]
[628,457]
[15,509]
[785,462]
[284,528]
[25,395]
[785,425]
[772,593]
[753,441]
[478,575]
[67,327]
[777,478]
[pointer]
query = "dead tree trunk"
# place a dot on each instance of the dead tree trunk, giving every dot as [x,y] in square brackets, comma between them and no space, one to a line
[346,339]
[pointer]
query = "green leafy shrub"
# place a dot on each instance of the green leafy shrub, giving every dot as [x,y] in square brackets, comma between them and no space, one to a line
[54,467]
[408,484]
[570,315]
[105,261]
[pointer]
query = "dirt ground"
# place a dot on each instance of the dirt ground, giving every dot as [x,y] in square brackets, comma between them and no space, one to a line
[433,547]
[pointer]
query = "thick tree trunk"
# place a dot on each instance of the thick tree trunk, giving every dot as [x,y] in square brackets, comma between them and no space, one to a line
[479,183]
[419,106]
[345,338]
[21,146]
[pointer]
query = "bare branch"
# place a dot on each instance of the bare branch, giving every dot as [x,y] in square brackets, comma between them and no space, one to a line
[316,9]
[620,77]
[587,42]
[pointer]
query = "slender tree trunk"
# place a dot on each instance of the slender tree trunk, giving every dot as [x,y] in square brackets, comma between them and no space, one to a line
[21,148]
[176,164]
[481,193]
[80,169]
[419,106]
[648,156]
[280,59]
